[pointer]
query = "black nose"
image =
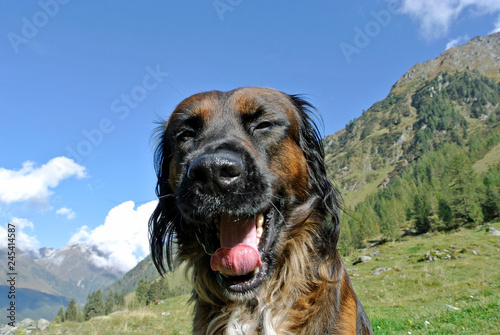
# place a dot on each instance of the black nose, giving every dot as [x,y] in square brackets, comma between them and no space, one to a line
[218,171]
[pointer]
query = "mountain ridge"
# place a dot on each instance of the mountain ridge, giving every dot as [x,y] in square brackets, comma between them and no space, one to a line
[377,145]
[48,278]
[480,53]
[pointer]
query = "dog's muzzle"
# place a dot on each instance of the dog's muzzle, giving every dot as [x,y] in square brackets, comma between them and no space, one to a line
[216,172]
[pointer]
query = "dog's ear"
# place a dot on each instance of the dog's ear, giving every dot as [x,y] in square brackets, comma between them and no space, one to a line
[165,218]
[312,147]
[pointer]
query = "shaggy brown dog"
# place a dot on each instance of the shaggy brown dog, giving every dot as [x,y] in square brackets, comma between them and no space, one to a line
[245,200]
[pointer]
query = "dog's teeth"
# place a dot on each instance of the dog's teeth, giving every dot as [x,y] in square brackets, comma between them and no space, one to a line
[260,221]
[255,271]
[260,231]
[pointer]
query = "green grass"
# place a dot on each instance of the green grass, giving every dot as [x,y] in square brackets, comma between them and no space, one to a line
[489,160]
[353,198]
[145,320]
[415,296]
[457,296]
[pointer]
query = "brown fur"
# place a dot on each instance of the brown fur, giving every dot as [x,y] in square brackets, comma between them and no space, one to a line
[305,288]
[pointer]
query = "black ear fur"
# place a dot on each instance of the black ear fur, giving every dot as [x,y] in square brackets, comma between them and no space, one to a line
[310,143]
[166,217]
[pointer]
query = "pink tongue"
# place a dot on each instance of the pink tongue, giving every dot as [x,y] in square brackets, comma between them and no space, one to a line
[238,253]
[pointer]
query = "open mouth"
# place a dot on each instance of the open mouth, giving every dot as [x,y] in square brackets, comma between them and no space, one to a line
[240,261]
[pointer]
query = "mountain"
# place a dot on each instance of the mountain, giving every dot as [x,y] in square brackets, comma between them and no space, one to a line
[75,264]
[49,278]
[145,269]
[377,146]
[31,275]
[32,304]
[480,53]
[426,158]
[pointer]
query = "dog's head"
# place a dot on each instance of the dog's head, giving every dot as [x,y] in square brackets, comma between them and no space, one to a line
[237,172]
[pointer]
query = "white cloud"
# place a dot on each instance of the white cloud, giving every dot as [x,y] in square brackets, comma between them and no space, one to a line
[123,237]
[457,41]
[23,241]
[68,212]
[497,26]
[436,17]
[80,237]
[34,184]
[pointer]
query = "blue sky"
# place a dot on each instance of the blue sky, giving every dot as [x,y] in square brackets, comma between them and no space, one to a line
[82,85]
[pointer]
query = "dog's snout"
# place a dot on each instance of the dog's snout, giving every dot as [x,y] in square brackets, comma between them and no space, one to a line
[216,171]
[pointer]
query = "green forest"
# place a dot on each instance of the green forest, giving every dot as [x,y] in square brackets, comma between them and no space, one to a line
[439,189]
[147,292]
[98,304]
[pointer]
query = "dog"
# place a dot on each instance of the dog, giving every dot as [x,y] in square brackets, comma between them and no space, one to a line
[245,201]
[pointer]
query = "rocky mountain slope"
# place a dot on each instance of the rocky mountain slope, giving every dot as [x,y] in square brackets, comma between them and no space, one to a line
[145,269]
[374,148]
[75,264]
[48,279]
[480,53]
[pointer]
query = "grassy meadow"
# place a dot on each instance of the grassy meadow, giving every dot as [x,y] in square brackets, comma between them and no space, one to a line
[456,296]
[460,295]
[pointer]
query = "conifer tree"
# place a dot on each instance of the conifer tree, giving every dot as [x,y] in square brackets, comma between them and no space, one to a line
[71,311]
[101,308]
[421,213]
[110,303]
[464,200]
[119,300]
[345,240]
[80,317]
[356,228]
[95,305]
[141,292]
[491,204]
[445,213]
[392,215]
[154,292]
[369,220]
[60,315]
[87,306]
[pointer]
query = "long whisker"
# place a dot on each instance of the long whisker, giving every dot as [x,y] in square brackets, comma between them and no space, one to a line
[198,239]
